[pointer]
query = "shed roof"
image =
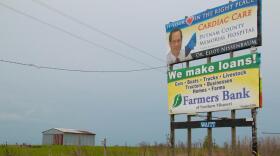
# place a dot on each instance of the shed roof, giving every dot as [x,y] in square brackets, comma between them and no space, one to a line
[73,131]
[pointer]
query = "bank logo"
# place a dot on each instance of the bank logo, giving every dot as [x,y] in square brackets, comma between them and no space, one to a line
[177,100]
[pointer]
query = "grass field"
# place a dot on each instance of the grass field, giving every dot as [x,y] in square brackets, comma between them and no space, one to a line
[267,147]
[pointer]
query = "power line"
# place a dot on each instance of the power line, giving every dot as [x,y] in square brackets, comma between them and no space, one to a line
[94,29]
[79,70]
[72,34]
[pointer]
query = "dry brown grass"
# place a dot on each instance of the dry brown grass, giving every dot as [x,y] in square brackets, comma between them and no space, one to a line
[268,146]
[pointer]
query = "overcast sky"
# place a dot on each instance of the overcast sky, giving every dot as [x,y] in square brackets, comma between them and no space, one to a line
[123,107]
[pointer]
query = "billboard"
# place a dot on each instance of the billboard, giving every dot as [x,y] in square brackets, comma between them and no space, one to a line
[224,85]
[230,27]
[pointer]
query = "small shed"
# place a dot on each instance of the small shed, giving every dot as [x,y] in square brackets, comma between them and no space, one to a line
[63,136]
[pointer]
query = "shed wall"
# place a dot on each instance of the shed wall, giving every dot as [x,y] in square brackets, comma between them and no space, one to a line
[47,139]
[79,139]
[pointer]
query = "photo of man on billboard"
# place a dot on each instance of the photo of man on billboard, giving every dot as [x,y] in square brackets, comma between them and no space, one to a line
[176,53]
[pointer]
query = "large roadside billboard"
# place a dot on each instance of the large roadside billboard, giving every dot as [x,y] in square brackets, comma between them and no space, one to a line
[224,85]
[230,27]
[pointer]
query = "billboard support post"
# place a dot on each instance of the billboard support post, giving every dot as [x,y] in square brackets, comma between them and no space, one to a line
[254,133]
[209,130]
[172,129]
[172,135]
[209,135]
[189,117]
[189,137]
[233,129]
[233,134]
[254,126]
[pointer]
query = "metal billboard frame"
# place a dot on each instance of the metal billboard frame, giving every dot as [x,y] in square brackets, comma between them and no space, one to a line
[209,123]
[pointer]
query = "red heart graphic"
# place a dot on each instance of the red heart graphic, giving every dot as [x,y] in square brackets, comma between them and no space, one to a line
[189,20]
